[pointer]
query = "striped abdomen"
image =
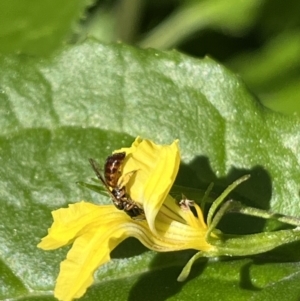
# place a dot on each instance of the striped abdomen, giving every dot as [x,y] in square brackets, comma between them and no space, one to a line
[112,168]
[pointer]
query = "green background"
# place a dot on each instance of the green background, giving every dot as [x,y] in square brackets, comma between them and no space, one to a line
[66,95]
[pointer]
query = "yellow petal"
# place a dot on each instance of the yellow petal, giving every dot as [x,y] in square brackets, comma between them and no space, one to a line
[155,167]
[181,228]
[69,222]
[185,216]
[89,251]
[97,230]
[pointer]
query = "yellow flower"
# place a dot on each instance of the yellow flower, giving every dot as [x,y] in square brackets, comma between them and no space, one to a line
[155,168]
[96,230]
[148,173]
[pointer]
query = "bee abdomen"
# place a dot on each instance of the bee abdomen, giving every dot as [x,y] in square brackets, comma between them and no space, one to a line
[112,168]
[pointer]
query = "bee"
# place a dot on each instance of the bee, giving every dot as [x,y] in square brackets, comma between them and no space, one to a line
[112,173]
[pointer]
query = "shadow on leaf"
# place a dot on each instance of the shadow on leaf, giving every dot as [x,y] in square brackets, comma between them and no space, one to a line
[255,192]
[161,283]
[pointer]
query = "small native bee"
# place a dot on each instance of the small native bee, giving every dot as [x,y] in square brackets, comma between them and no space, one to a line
[112,173]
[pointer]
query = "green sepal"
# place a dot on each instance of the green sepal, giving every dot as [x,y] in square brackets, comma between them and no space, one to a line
[242,245]
[187,268]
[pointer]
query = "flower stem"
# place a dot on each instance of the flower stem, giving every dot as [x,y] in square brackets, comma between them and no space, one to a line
[221,198]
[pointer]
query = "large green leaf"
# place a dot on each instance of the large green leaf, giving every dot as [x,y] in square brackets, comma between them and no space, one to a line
[91,99]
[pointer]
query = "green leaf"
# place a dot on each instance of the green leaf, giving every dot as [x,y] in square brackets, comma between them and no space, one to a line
[91,99]
[36,29]
[237,280]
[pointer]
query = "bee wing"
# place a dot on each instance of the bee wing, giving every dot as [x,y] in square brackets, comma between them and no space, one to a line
[96,188]
[97,171]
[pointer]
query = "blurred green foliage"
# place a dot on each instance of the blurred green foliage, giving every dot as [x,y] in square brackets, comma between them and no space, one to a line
[37,28]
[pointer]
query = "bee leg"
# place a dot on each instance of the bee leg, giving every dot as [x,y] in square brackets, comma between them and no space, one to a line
[118,204]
